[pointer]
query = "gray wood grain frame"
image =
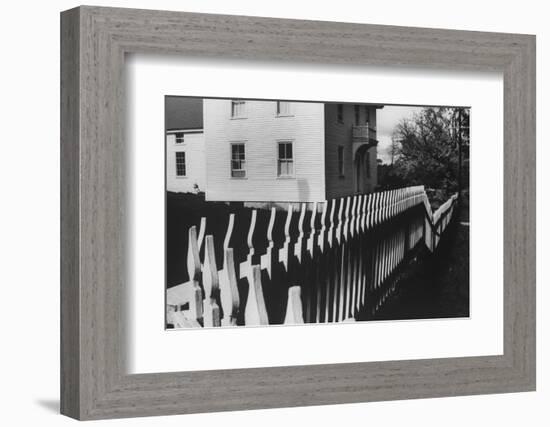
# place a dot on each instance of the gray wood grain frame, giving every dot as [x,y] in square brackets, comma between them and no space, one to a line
[94,41]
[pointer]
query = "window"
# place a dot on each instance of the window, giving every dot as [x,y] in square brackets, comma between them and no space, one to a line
[283,108]
[367,164]
[285,161]
[340,113]
[180,137]
[341,160]
[366,113]
[357,115]
[180,163]
[237,109]
[238,161]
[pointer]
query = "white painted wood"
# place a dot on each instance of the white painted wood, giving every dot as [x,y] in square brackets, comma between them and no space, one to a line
[260,130]
[211,284]
[294,314]
[229,293]
[255,313]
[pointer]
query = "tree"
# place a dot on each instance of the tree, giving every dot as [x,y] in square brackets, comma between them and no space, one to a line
[393,149]
[428,147]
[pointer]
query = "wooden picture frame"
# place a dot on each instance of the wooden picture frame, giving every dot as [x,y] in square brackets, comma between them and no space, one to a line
[94,41]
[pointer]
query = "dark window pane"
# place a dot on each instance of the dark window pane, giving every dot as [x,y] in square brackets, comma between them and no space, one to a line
[281,151]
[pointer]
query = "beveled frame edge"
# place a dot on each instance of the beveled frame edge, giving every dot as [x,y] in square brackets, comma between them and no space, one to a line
[94,41]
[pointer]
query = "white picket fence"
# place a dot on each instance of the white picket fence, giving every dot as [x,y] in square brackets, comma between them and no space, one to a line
[340,265]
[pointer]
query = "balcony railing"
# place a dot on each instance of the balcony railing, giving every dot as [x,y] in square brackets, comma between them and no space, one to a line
[364,133]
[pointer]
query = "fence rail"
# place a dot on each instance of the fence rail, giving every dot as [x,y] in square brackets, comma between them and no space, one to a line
[341,261]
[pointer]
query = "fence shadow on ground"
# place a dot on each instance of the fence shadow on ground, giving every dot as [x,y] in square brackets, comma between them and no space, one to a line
[338,261]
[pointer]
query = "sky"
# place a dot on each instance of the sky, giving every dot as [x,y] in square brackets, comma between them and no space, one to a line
[387,118]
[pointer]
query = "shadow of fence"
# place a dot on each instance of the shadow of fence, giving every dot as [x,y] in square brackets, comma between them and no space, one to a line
[325,264]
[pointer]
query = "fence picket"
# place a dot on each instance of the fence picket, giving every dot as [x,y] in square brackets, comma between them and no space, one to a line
[346,262]
[294,314]
[255,312]
[229,293]
[210,282]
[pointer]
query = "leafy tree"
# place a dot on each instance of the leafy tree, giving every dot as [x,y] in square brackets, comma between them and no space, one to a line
[427,146]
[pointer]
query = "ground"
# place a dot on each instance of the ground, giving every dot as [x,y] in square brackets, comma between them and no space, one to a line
[439,288]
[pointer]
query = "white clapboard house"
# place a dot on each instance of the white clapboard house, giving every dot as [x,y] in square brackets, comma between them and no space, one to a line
[279,151]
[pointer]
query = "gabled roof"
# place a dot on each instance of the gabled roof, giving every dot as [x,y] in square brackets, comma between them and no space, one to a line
[182,112]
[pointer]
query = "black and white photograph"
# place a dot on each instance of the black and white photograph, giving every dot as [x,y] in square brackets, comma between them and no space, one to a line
[284,212]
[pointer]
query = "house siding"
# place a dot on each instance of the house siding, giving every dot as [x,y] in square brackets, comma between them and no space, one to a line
[194,163]
[260,130]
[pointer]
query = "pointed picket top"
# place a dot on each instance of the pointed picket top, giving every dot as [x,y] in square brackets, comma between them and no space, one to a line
[301,220]
[229,293]
[245,266]
[357,216]
[393,210]
[298,246]
[270,227]
[311,238]
[384,210]
[288,220]
[363,222]
[352,216]
[368,219]
[193,257]
[387,205]
[398,202]
[210,273]
[229,231]
[339,221]
[330,237]
[283,252]
[202,230]
[266,260]
[313,216]
[250,236]
[360,211]
[321,240]
[255,312]
[379,204]
[294,314]
[375,204]
[346,218]
[322,232]
[210,281]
